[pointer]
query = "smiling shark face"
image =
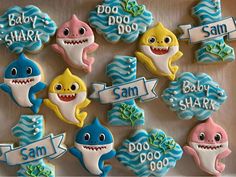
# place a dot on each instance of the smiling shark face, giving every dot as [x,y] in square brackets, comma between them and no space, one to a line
[20,75]
[93,141]
[73,36]
[67,91]
[209,140]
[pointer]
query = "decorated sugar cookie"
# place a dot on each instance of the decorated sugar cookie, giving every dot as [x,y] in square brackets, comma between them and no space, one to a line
[75,39]
[159,48]
[22,81]
[208,145]
[67,95]
[25,29]
[94,145]
[120,20]
[33,148]
[211,32]
[194,95]
[125,89]
[149,154]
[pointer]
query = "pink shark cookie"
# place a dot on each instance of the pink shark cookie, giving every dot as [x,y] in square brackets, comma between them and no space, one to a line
[208,144]
[75,39]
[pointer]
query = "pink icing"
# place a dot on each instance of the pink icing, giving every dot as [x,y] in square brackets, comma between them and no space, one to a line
[210,130]
[74,25]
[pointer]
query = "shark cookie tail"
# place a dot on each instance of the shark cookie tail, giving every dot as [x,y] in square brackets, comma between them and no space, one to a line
[106,170]
[36,105]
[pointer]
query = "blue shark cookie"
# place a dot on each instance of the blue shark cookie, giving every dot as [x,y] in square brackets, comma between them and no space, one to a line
[149,154]
[123,92]
[25,29]
[33,148]
[22,80]
[194,95]
[120,20]
[93,145]
[211,32]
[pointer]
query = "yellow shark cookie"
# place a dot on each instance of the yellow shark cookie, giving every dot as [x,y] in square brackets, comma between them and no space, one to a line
[67,95]
[159,47]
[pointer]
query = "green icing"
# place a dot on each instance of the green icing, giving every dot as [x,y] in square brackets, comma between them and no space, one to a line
[161,141]
[133,8]
[37,170]
[130,113]
[219,49]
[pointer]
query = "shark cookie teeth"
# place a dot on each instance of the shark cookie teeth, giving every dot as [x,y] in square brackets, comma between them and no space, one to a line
[75,39]
[67,95]
[93,145]
[208,145]
[22,80]
[159,47]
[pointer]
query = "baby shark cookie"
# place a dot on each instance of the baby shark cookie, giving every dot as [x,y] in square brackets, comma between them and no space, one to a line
[120,20]
[149,154]
[159,48]
[75,39]
[67,95]
[25,29]
[22,80]
[211,33]
[93,145]
[194,95]
[33,148]
[208,145]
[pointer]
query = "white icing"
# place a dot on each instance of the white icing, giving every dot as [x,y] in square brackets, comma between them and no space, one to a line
[107,9]
[91,157]
[68,109]
[21,19]
[208,156]
[160,61]
[75,52]
[20,91]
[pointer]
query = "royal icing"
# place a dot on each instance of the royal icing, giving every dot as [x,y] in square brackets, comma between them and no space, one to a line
[149,154]
[33,147]
[22,80]
[25,29]
[125,88]
[67,95]
[159,47]
[93,145]
[211,33]
[75,39]
[208,145]
[194,95]
[120,20]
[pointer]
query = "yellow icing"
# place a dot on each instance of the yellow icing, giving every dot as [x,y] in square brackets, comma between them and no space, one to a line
[66,80]
[155,62]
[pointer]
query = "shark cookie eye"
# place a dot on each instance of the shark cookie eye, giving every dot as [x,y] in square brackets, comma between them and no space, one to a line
[58,87]
[29,70]
[167,40]
[82,31]
[66,31]
[102,137]
[152,40]
[86,136]
[218,137]
[202,136]
[13,71]
[74,86]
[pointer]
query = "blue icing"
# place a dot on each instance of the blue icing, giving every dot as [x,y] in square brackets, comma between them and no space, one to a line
[209,11]
[22,80]
[120,20]
[194,95]
[28,130]
[25,28]
[126,67]
[149,154]
[94,141]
